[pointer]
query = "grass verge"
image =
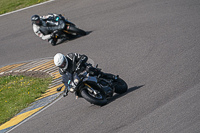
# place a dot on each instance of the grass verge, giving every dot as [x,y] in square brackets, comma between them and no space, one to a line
[17,92]
[12,5]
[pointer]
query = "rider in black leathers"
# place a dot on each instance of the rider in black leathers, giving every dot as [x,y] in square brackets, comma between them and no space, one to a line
[46,26]
[74,63]
[69,65]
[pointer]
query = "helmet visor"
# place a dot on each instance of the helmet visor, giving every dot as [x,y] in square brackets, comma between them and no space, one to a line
[63,64]
[37,22]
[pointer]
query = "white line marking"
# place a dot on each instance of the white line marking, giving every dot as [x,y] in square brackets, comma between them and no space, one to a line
[35,114]
[26,8]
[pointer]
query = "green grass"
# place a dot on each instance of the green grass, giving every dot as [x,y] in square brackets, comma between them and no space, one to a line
[12,5]
[17,92]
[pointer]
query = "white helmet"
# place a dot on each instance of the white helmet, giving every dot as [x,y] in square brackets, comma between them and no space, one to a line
[60,61]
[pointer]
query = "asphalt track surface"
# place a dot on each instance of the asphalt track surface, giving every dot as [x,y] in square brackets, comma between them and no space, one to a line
[152,44]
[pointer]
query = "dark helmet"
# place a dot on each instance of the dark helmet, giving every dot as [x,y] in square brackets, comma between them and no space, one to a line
[36,19]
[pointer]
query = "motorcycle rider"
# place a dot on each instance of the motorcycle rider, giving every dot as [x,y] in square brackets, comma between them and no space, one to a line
[71,65]
[68,65]
[47,26]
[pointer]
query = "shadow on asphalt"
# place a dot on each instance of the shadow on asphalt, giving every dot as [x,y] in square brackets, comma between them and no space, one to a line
[116,96]
[72,37]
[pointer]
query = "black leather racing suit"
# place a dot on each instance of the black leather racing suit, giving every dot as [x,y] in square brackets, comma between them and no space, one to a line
[74,60]
[48,25]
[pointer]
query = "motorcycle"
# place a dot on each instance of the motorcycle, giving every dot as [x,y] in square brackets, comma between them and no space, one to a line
[70,30]
[94,88]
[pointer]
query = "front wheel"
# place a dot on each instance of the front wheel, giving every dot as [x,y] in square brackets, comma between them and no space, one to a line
[77,30]
[98,99]
[121,86]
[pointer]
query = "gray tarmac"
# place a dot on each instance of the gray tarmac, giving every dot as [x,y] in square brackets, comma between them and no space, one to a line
[152,44]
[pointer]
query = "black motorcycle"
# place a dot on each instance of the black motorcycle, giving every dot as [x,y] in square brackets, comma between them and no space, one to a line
[70,31]
[94,87]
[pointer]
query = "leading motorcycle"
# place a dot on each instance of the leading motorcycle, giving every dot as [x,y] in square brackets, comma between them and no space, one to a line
[95,88]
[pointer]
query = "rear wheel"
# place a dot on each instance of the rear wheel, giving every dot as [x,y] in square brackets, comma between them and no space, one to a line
[77,30]
[97,99]
[121,86]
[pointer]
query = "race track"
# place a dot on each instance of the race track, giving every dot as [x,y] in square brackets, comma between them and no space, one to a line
[152,44]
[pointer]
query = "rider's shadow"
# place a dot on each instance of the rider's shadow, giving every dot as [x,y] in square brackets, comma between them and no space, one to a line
[72,37]
[116,96]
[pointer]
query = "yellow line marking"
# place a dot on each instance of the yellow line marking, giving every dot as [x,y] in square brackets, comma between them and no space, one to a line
[40,66]
[56,76]
[54,73]
[46,65]
[51,91]
[17,119]
[10,67]
[54,88]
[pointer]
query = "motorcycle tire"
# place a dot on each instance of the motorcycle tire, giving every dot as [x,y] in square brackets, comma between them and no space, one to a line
[88,97]
[121,87]
[77,31]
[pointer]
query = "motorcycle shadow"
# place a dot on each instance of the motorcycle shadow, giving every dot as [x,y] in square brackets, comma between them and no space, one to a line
[72,37]
[116,96]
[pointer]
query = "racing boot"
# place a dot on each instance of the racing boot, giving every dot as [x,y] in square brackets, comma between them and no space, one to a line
[65,93]
[53,41]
